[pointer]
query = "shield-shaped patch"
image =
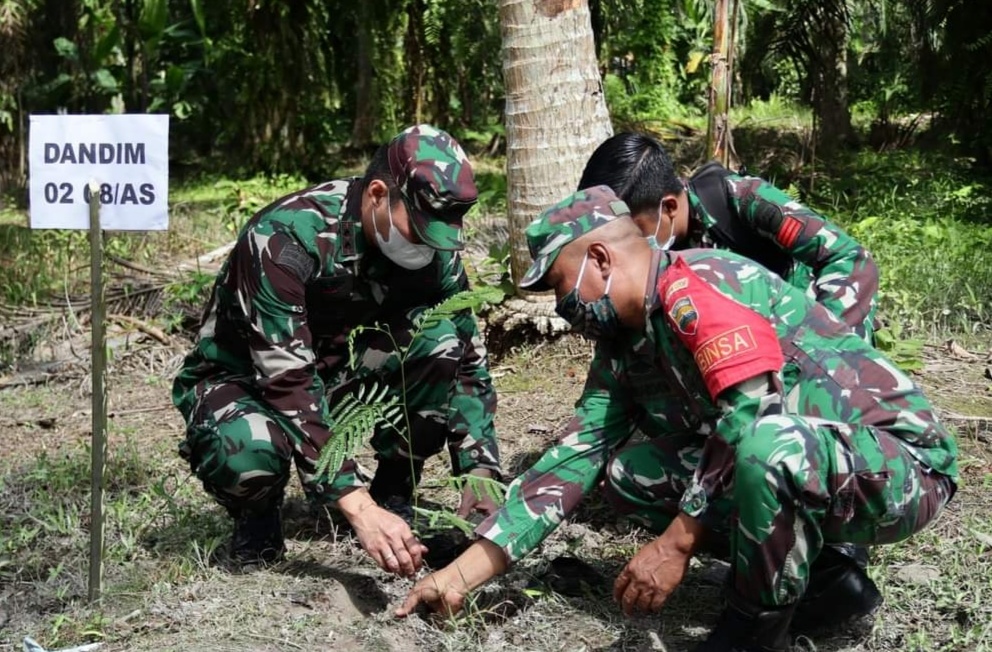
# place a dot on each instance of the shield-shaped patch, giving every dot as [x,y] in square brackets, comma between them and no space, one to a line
[684,315]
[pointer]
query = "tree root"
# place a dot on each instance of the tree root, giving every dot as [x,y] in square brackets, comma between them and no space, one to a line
[519,321]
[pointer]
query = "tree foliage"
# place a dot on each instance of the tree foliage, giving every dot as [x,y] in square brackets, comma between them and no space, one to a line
[278,86]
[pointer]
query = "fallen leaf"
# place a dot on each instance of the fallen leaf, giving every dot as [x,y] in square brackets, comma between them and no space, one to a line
[958,351]
[918,574]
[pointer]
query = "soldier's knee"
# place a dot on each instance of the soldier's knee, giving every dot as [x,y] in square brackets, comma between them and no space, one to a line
[615,483]
[228,454]
[622,483]
[231,469]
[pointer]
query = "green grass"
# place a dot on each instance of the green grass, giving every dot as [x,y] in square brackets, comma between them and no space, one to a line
[162,531]
[955,589]
[926,216]
[150,511]
[927,219]
[775,111]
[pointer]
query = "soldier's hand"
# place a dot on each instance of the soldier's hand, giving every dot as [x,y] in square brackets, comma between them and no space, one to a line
[437,592]
[388,540]
[474,500]
[650,577]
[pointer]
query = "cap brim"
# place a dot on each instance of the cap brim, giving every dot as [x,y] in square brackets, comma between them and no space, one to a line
[534,279]
[443,236]
[540,285]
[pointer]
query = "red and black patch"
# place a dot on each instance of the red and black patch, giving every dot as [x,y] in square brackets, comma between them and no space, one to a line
[789,232]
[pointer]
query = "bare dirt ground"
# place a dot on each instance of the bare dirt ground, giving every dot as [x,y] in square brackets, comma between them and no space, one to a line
[163,591]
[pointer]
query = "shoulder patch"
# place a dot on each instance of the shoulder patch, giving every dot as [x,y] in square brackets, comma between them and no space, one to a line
[295,258]
[679,284]
[789,232]
[684,314]
[729,342]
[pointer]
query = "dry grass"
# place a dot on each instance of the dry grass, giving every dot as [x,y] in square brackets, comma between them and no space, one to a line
[163,591]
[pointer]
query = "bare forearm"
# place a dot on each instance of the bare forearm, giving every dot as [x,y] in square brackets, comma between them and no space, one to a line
[354,502]
[481,561]
[445,590]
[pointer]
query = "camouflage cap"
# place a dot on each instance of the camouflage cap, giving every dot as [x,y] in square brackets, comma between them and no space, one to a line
[568,220]
[436,180]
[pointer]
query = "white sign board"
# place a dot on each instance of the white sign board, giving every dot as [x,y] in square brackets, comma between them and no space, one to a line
[127,155]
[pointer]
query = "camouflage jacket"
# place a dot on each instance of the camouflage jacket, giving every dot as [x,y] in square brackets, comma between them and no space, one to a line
[828,264]
[715,320]
[299,279]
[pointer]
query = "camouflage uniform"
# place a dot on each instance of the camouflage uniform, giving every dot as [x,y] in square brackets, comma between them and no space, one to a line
[272,353]
[767,418]
[828,264]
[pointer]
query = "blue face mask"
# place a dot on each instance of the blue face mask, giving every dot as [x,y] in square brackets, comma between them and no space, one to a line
[594,320]
[653,239]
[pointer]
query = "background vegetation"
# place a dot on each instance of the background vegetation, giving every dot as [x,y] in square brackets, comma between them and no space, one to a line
[874,111]
[277,86]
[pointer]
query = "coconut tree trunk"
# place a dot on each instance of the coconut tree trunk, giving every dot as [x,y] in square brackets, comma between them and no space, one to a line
[556,113]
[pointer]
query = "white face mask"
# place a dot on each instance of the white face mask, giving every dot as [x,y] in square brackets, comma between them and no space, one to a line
[398,249]
[653,239]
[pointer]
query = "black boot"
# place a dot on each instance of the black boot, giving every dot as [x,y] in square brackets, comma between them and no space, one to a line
[746,627]
[257,538]
[839,590]
[858,553]
[393,480]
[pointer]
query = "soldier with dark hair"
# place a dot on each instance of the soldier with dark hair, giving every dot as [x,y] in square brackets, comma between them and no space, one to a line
[772,429]
[744,214]
[272,354]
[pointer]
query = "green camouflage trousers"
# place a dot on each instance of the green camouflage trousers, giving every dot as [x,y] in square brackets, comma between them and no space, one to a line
[241,449]
[799,483]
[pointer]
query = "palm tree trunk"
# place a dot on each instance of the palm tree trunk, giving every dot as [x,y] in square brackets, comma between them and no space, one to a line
[830,98]
[555,109]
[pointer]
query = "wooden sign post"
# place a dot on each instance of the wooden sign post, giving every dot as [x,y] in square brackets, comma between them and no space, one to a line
[118,167]
[98,373]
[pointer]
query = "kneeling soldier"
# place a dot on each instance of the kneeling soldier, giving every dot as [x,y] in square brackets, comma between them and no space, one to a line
[773,428]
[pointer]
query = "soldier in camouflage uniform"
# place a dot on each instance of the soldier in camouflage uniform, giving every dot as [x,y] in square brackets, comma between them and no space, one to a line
[272,353]
[816,255]
[718,209]
[770,425]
